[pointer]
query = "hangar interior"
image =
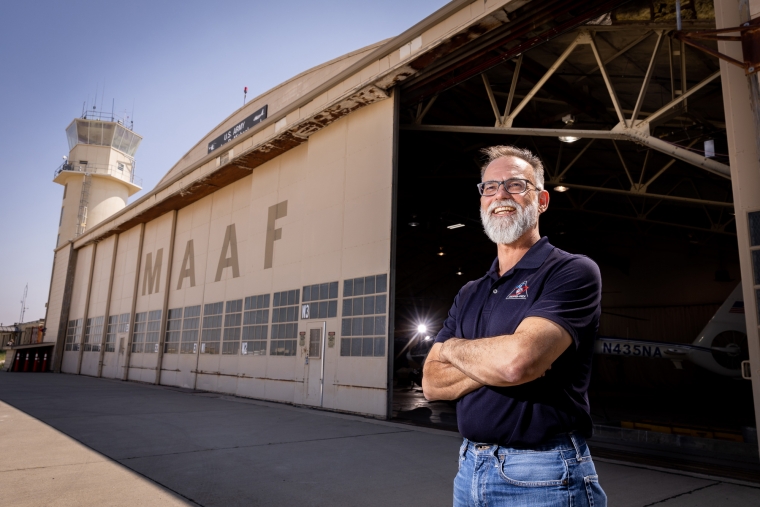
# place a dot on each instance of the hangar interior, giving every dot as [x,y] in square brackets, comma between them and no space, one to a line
[661,228]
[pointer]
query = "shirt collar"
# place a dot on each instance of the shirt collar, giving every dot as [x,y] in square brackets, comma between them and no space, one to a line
[532,259]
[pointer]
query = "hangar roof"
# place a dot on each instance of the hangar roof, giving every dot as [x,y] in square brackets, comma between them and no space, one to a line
[276,99]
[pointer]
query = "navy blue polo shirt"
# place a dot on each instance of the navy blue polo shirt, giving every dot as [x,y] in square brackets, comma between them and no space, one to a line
[548,283]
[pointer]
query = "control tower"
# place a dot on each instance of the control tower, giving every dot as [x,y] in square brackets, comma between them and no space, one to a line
[98,175]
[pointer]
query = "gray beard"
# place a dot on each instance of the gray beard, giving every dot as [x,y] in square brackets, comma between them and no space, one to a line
[507,230]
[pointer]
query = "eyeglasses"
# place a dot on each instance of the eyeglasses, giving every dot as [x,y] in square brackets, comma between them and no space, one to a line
[511,186]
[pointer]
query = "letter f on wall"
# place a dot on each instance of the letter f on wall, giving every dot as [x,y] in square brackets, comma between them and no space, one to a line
[279,210]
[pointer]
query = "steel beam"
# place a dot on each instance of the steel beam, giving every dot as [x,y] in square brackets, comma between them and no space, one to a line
[647,220]
[423,112]
[509,119]
[670,105]
[512,89]
[663,197]
[647,79]
[572,162]
[622,134]
[491,98]
[608,83]
[622,161]
[616,55]
[518,131]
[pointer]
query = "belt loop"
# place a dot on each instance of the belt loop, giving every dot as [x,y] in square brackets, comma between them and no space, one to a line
[578,454]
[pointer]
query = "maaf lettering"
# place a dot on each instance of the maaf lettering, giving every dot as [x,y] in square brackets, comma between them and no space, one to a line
[228,258]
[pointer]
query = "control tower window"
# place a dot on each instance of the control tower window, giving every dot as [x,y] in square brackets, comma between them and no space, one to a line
[102,133]
[71,135]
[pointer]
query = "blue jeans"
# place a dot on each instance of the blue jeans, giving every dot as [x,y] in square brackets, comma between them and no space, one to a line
[559,472]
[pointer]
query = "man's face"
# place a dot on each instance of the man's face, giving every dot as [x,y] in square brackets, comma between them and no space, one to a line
[507,217]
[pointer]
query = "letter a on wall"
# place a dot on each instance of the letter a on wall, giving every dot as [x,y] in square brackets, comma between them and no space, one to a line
[279,210]
[230,243]
[152,273]
[188,265]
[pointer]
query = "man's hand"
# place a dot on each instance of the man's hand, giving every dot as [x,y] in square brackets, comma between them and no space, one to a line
[508,360]
[442,381]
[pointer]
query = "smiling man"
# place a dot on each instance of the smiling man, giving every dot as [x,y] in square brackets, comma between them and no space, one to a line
[515,351]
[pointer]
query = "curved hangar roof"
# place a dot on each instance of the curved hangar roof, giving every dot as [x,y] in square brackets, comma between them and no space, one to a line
[316,98]
[270,102]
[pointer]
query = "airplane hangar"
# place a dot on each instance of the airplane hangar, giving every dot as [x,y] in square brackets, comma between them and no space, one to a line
[294,252]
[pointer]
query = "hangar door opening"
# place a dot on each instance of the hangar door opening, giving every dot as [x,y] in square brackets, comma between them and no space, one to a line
[651,204]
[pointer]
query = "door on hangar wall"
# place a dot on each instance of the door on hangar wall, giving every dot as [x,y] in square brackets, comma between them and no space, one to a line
[314,363]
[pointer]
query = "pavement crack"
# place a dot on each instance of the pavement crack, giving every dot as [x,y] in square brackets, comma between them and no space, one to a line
[259,445]
[683,494]
[53,466]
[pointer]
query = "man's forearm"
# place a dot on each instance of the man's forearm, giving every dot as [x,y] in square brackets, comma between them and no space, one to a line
[508,360]
[482,360]
[442,381]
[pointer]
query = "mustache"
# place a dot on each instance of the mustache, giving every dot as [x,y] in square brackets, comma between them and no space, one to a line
[504,202]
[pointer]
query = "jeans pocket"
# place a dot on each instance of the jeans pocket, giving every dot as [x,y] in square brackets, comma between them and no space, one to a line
[596,495]
[533,469]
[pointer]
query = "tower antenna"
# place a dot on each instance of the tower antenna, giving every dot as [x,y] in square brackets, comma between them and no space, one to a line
[113,101]
[102,95]
[23,305]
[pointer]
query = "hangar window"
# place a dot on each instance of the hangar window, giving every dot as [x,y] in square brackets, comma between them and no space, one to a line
[123,323]
[364,308]
[255,325]
[93,332]
[284,323]
[173,331]
[138,334]
[320,301]
[212,328]
[233,319]
[153,330]
[191,321]
[73,333]
[113,322]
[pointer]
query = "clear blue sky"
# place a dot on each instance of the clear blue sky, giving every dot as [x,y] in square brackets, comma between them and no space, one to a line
[182,64]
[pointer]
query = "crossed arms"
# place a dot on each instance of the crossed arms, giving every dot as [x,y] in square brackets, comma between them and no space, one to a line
[457,366]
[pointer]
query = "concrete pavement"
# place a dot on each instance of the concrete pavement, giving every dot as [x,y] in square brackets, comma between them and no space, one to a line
[75,440]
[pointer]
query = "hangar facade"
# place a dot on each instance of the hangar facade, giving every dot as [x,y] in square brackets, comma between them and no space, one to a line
[288,250]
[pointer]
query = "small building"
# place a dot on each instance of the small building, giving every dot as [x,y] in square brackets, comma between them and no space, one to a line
[25,338]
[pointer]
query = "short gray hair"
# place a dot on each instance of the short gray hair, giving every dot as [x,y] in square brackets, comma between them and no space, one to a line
[495,152]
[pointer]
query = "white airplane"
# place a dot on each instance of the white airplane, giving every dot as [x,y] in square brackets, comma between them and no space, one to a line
[720,347]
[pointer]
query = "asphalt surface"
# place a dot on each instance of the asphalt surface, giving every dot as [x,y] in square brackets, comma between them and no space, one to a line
[75,440]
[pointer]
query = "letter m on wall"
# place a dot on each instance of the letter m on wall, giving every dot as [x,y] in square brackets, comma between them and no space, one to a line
[152,272]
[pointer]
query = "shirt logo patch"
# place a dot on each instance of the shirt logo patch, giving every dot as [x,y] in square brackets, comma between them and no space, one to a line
[519,292]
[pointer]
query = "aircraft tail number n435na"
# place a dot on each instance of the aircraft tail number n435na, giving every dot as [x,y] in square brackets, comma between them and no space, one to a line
[721,347]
